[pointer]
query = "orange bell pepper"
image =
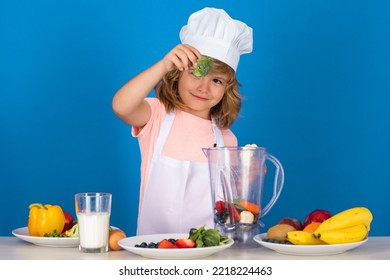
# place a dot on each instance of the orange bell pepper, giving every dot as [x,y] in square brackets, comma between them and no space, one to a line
[45,219]
[251,207]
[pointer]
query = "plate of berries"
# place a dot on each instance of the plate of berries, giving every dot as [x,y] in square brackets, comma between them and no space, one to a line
[170,246]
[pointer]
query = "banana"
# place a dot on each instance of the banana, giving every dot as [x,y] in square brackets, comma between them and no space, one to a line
[345,235]
[346,219]
[300,237]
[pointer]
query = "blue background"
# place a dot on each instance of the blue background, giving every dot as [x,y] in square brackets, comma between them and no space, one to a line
[316,93]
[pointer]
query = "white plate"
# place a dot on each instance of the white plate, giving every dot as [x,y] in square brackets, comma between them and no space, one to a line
[182,253]
[23,234]
[307,250]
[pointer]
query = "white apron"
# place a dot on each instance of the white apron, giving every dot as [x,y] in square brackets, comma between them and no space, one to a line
[177,195]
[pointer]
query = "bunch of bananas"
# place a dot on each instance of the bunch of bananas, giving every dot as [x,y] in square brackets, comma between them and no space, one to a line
[351,225]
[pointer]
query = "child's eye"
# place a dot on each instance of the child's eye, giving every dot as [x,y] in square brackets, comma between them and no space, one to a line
[218,81]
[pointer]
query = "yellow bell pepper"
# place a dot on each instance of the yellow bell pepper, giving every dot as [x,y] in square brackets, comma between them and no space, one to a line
[45,219]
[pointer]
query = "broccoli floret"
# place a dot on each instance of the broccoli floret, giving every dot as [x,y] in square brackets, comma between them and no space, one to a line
[203,67]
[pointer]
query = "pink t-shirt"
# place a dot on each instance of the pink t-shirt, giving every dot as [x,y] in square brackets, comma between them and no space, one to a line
[188,135]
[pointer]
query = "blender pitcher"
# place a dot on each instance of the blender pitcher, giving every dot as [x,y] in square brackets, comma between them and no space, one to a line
[237,182]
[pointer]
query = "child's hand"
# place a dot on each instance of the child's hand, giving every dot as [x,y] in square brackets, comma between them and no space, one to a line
[182,57]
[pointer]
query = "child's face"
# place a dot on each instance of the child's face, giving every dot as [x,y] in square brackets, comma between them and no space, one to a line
[201,94]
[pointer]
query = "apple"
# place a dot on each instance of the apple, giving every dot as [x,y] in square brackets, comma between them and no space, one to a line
[68,221]
[292,222]
[318,215]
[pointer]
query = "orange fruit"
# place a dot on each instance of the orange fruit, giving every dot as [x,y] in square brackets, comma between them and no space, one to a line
[312,227]
[114,236]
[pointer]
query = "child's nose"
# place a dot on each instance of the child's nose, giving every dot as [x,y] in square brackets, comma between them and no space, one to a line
[204,84]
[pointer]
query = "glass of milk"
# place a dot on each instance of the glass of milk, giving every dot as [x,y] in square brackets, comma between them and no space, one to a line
[93,211]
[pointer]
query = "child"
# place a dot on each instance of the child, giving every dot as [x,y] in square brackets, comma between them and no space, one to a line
[189,113]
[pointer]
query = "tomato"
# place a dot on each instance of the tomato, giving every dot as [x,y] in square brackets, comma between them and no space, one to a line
[68,221]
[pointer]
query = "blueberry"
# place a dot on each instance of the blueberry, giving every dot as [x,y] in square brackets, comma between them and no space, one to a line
[152,245]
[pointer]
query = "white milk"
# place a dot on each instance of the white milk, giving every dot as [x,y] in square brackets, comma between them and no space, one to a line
[93,229]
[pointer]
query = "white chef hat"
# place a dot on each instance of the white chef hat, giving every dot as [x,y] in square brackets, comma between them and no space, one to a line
[214,33]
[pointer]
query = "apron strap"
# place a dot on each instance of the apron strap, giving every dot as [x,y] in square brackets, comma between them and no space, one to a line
[164,132]
[218,136]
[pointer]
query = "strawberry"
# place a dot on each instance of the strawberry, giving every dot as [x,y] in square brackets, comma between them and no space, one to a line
[185,243]
[220,206]
[165,244]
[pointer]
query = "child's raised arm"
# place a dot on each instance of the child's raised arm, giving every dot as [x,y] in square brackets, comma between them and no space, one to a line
[129,102]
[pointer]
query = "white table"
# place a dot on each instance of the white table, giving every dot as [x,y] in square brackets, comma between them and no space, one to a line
[12,248]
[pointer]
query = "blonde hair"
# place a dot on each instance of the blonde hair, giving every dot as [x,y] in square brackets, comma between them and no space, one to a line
[224,113]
